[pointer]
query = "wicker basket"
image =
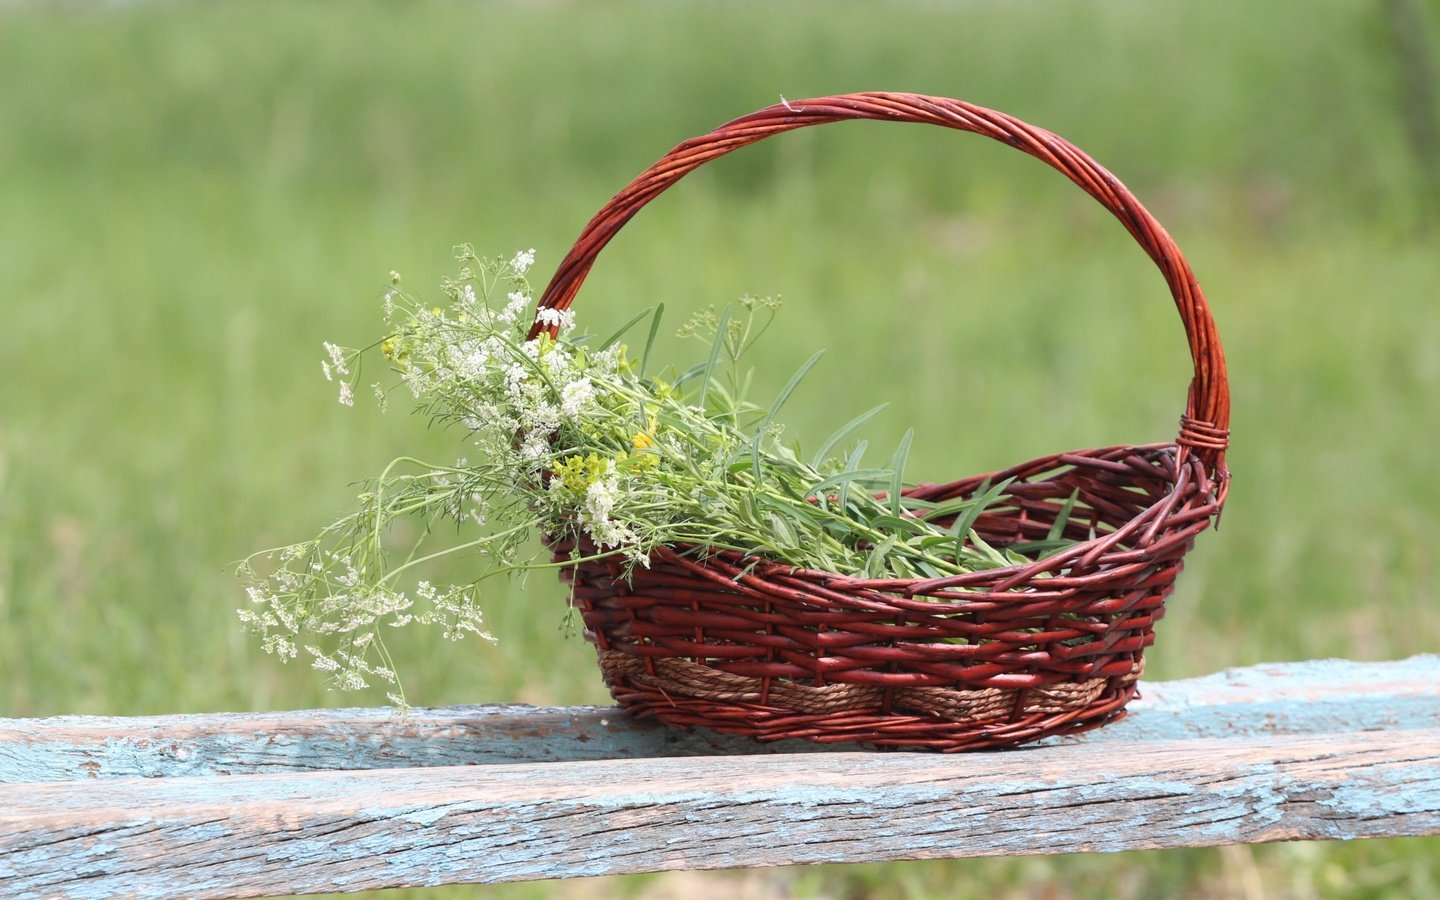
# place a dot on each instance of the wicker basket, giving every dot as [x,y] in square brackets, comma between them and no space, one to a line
[982,660]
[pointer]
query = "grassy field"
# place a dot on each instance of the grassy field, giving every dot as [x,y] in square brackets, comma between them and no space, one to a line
[193,198]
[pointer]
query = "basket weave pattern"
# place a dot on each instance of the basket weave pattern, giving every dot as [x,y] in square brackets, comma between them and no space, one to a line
[988,659]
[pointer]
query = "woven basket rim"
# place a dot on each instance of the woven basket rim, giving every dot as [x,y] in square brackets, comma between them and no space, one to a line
[1014,584]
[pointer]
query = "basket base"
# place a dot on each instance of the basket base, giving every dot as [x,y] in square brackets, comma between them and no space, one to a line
[684,694]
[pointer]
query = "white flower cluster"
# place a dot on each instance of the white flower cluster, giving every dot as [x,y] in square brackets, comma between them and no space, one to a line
[533,409]
[454,609]
[351,612]
[563,319]
[337,364]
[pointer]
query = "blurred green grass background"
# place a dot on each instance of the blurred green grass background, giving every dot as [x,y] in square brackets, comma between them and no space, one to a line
[193,197]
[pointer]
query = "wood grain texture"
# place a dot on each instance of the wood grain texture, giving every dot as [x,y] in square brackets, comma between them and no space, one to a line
[252,835]
[1282,698]
[340,800]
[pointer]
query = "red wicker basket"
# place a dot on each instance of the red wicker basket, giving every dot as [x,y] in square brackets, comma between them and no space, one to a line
[988,659]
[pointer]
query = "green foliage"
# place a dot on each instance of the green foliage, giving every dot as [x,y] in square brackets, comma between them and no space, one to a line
[195,196]
[576,445]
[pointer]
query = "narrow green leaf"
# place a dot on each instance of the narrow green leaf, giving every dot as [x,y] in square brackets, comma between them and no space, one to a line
[989,552]
[689,375]
[1062,518]
[969,511]
[905,525]
[714,354]
[875,564]
[914,503]
[929,571]
[964,524]
[792,384]
[903,568]
[1040,549]
[851,465]
[843,432]
[780,399]
[897,465]
[952,507]
[844,478]
[650,341]
[624,328]
[935,540]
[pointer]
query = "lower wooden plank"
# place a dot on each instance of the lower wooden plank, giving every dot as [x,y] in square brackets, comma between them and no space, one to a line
[252,835]
[1277,698]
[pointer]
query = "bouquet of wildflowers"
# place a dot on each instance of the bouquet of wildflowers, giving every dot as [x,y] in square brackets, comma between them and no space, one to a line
[573,438]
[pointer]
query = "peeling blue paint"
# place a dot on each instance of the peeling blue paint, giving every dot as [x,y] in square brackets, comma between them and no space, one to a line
[324,830]
[1399,796]
[1288,698]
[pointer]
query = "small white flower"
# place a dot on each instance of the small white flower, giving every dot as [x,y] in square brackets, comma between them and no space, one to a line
[337,357]
[325,367]
[523,261]
[347,394]
[535,448]
[511,313]
[576,396]
[564,319]
[321,661]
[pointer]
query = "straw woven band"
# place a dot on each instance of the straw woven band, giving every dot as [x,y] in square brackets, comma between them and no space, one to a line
[685,678]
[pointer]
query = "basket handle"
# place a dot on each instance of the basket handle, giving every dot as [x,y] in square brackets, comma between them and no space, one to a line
[1204,428]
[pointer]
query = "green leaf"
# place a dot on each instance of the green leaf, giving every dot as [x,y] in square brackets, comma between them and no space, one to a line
[851,465]
[968,511]
[844,478]
[1038,549]
[714,355]
[784,532]
[780,399]
[689,374]
[929,571]
[897,465]
[906,525]
[952,507]
[1062,518]
[843,432]
[964,524]
[792,384]
[986,551]
[650,341]
[624,328]
[913,503]
[875,564]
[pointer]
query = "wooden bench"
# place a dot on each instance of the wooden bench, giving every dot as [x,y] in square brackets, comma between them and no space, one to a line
[239,805]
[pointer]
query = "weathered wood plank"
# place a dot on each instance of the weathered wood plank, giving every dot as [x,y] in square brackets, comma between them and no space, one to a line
[1284,698]
[252,835]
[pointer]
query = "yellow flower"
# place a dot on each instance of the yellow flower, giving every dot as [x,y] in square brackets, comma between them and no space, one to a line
[577,472]
[644,440]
